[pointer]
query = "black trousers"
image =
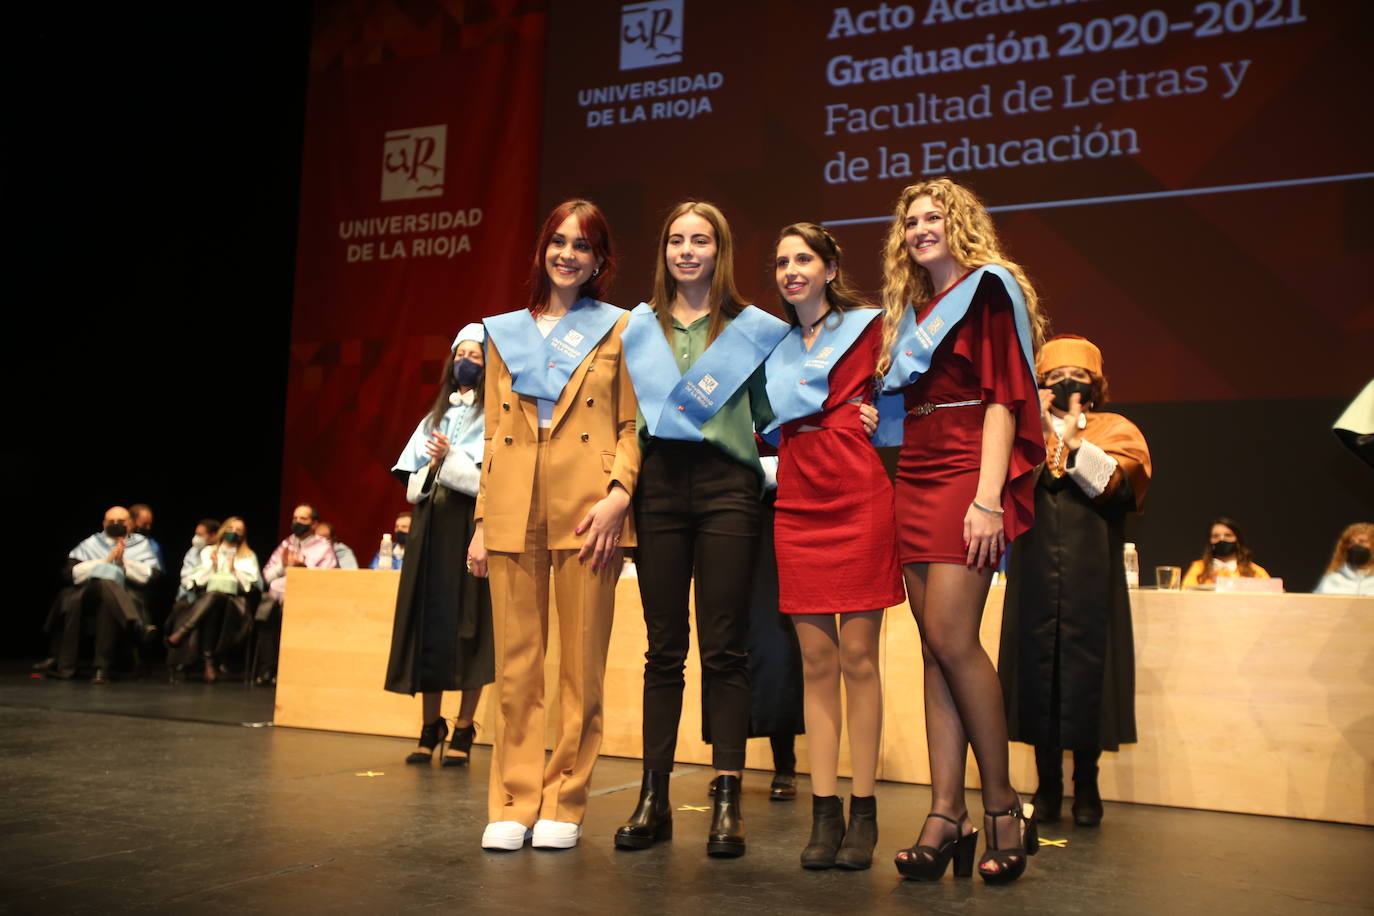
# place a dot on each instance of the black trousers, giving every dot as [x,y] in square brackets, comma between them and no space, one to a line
[267,623]
[696,515]
[115,612]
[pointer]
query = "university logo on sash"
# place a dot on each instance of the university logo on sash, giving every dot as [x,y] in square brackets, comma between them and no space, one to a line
[541,366]
[674,404]
[798,380]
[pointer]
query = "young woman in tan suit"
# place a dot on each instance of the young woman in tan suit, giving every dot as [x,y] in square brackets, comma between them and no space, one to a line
[560,465]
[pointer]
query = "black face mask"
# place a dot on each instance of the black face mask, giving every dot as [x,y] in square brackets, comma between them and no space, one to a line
[1223,548]
[398,538]
[300,529]
[1066,387]
[231,537]
[465,372]
[1357,555]
[117,530]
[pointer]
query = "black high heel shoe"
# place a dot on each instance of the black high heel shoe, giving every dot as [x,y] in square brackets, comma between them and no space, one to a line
[1011,862]
[652,819]
[461,742]
[928,863]
[726,838]
[431,736]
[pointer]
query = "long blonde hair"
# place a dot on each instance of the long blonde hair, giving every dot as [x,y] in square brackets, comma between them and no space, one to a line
[972,241]
[725,299]
[243,549]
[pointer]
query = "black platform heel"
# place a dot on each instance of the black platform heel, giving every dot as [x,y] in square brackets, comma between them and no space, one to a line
[928,863]
[461,742]
[652,819]
[726,838]
[1011,863]
[431,736]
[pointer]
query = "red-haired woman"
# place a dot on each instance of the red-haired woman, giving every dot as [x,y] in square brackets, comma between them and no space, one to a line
[559,467]
[695,353]
[960,331]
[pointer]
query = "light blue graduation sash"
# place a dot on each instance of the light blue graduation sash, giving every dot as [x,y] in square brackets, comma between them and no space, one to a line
[541,366]
[798,379]
[916,344]
[674,404]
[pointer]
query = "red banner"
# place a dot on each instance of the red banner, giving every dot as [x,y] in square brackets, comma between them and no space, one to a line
[417,206]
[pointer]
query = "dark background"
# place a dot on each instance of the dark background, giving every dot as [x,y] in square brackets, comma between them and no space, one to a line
[153,187]
[153,182]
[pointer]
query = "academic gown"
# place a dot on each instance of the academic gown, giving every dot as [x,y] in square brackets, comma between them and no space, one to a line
[1067,651]
[442,636]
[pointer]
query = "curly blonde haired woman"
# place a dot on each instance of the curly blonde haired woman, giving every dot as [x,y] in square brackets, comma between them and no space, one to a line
[961,326]
[1351,570]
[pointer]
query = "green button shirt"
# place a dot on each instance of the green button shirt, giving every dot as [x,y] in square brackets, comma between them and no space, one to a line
[730,429]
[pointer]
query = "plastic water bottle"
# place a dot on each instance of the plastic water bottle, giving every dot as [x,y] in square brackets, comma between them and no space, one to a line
[384,552]
[1131,560]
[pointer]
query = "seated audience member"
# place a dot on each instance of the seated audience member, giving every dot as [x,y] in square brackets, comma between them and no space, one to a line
[342,552]
[398,542]
[207,533]
[141,514]
[1225,557]
[1351,570]
[225,579]
[101,569]
[302,547]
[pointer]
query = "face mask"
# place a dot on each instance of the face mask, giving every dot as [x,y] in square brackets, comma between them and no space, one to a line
[198,541]
[144,530]
[465,372]
[398,538]
[1223,548]
[300,530]
[1066,387]
[116,531]
[231,537]
[1357,555]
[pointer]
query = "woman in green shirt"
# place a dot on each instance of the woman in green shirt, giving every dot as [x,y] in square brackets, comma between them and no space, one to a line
[695,353]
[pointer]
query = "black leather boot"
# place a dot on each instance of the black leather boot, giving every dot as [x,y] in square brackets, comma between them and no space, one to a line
[827,832]
[727,824]
[1049,797]
[1087,801]
[652,819]
[856,852]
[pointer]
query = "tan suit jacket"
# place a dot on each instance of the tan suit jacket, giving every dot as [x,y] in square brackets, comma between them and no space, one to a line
[592,442]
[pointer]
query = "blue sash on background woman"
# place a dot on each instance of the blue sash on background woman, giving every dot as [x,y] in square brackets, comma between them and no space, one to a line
[541,366]
[676,404]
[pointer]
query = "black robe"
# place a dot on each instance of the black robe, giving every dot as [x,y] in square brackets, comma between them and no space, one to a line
[442,638]
[1067,660]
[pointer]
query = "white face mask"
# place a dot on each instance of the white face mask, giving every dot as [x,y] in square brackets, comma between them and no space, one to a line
[198,541]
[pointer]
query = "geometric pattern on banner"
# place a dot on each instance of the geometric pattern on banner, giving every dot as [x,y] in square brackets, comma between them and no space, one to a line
[352,34]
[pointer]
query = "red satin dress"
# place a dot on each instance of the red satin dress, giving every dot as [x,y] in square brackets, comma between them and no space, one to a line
[835,534]
[937,470]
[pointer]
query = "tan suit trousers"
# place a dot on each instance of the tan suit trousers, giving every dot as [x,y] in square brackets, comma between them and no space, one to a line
[523,787]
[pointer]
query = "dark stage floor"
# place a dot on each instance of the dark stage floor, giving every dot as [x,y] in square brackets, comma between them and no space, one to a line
[144,797]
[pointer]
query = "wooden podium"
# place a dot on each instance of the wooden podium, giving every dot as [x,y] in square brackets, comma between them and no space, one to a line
[1260,704]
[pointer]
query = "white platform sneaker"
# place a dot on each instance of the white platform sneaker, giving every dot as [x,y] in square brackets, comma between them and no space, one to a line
[555,834]
[505,835]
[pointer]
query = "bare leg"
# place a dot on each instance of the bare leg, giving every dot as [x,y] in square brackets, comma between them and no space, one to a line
[467,709]
[816,633]
[858,653]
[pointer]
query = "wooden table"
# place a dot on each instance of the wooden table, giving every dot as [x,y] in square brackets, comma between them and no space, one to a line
[1253,703]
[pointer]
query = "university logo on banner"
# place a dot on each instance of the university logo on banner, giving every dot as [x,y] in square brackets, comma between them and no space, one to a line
[708,383]
[650,34]
[573,338]
[413,162]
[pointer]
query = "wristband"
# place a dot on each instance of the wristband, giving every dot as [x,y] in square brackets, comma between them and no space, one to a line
[978,505]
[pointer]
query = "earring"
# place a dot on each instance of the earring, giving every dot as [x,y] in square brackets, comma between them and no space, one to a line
[595,272]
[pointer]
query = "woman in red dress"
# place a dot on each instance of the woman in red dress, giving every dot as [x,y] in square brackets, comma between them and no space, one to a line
[834,532]
[971,440]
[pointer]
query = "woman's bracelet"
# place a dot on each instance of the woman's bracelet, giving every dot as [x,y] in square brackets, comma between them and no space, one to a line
[978,505]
